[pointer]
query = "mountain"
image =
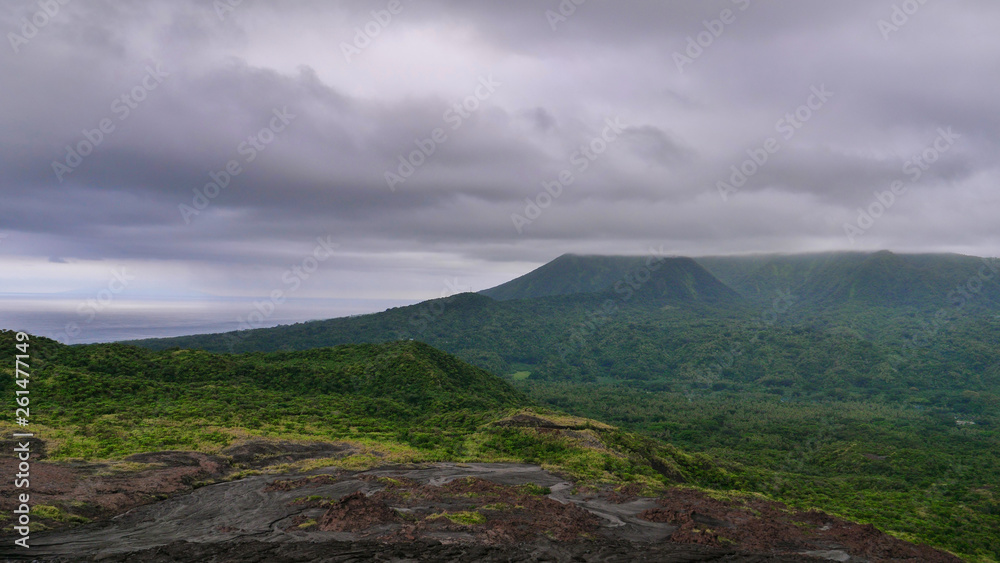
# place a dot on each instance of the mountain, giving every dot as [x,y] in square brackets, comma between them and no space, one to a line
[846,325]
[566,275]
[654,277]
[496,334]
[868,381]
[881,279]
[854,381]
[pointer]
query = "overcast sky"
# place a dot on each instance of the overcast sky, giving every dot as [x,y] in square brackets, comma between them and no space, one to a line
[315,106]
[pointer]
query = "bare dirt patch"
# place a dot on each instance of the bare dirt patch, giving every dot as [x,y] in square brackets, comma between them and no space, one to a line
[84,491]
[756,524]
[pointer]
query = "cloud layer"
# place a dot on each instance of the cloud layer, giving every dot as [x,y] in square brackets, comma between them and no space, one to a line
[438,139]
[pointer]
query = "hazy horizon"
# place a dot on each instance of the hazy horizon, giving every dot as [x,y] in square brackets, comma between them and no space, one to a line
[78,318]
[392,151]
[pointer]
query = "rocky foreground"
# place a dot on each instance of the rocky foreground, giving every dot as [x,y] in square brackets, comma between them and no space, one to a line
[158,508]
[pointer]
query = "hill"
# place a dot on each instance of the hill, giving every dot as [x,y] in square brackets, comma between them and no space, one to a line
[111,386]
[653,278]
[828,326]
[881,279]
[104,414]
[566,275]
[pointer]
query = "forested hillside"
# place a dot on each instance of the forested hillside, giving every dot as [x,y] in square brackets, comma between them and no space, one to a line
[838,326]
[872,373]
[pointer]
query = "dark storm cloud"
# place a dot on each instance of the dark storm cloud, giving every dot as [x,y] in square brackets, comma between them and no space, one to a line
[518,91]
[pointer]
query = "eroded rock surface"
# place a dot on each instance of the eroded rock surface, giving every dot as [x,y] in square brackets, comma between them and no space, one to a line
[432,512]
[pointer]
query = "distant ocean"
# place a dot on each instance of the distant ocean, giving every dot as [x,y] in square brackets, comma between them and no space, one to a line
[71,321]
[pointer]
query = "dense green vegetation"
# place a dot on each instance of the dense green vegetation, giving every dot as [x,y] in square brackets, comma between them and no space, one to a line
[396,402]
[867,384]
[924,282]
[911,470]
[111,400]
[848,352]
[838,326]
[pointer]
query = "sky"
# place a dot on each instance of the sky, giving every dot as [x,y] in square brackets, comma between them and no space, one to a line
[408,149]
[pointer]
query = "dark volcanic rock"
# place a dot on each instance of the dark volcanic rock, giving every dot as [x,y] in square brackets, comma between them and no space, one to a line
[757,524]
[261,453]
[357,512]
[432,550]
[435,512]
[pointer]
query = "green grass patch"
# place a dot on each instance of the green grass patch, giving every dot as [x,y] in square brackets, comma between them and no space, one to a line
[465,517]
[534,489]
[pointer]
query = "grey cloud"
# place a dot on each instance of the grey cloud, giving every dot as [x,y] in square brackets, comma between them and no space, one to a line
[324,173]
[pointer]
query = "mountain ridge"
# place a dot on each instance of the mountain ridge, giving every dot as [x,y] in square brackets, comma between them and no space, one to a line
[882,278]
[670,278]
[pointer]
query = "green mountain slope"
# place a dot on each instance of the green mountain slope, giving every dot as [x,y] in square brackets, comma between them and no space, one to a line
[408,380]
[671,281]
[566,275]
[398,402]
[817,326]
[656,278]
[881,279]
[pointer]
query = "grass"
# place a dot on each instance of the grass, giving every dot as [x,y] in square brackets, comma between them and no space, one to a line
[465,517]
[533,489]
